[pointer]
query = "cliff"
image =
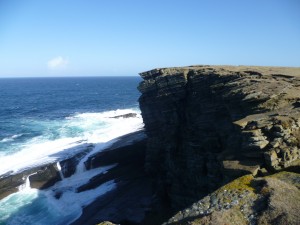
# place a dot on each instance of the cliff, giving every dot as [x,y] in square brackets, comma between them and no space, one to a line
[207,125]
[222,147]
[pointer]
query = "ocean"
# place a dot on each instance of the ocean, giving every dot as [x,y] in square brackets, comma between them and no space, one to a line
[45,120]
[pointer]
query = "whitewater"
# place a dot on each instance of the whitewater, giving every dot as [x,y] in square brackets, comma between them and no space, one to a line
[94,128]
[34,135]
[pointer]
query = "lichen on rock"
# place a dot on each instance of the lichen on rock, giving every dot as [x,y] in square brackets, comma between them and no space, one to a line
[247,200]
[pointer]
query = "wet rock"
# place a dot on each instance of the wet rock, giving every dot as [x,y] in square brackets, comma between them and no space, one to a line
[68,166]
[45,177]
[40,177]
[132,198]
[127,115]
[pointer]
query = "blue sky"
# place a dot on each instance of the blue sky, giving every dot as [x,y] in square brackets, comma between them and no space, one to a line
[124,37]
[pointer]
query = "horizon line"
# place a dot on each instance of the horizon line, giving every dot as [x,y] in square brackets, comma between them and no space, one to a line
[71,76]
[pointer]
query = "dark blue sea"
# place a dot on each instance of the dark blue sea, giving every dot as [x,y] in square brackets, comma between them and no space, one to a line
[45,120]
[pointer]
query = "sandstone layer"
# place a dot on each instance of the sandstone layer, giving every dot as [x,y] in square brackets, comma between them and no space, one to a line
[207,125]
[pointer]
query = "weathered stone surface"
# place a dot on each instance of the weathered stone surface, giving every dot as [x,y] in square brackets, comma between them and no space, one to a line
[45,177]
[127,115]
[270,200]
[106,223]
[68,166]
[199,119]
[129,202]
[40,177]
[238,168]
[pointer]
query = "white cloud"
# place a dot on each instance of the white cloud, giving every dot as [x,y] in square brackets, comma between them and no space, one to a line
[57,63]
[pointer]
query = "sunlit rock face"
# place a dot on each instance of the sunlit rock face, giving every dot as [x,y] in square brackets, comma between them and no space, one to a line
[207,125]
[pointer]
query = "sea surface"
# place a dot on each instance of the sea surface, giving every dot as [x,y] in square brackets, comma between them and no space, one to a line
[45,120]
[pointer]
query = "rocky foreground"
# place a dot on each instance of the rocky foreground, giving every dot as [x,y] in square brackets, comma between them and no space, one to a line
[222,146]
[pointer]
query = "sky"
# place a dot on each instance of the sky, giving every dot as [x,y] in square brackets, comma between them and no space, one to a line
[125,37]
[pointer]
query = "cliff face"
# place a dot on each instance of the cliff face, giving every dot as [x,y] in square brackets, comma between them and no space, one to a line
[207,125]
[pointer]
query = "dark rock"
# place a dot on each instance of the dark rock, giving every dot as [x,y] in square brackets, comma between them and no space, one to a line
[10,184]
[115,156]
[130,143]
[68,166]
[127,115]
[131,200]
[40,177]
[207,125]
[45,177]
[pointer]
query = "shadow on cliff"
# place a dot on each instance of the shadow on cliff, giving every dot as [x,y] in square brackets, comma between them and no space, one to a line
[190,120]
[129,202]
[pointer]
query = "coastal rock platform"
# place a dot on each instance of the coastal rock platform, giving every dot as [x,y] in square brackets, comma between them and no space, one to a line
[127,203]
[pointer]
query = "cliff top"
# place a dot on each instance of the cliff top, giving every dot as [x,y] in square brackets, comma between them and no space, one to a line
[223,70]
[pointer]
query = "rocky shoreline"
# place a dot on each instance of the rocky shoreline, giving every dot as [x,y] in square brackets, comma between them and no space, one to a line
[132,198]
[221,145]
[126,204]
[40,177]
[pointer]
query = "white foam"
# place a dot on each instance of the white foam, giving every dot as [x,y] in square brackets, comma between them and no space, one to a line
[59,170]
[95,128]
[26,185]
[32,206]
[11,138]
[76,180]
[12,203]
[110,127]
[36,154]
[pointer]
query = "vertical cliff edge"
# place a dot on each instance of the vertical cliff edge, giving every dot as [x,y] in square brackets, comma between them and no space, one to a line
[207,125]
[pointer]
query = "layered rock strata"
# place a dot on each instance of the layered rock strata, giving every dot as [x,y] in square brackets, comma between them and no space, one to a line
[207,125]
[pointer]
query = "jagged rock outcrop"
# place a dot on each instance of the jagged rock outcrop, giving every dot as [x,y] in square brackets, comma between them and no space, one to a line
[129,202]
[208,125]
[40,177]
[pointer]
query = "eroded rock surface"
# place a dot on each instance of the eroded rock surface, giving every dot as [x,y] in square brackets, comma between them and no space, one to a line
[40,177]
[208,125]
[270,200]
